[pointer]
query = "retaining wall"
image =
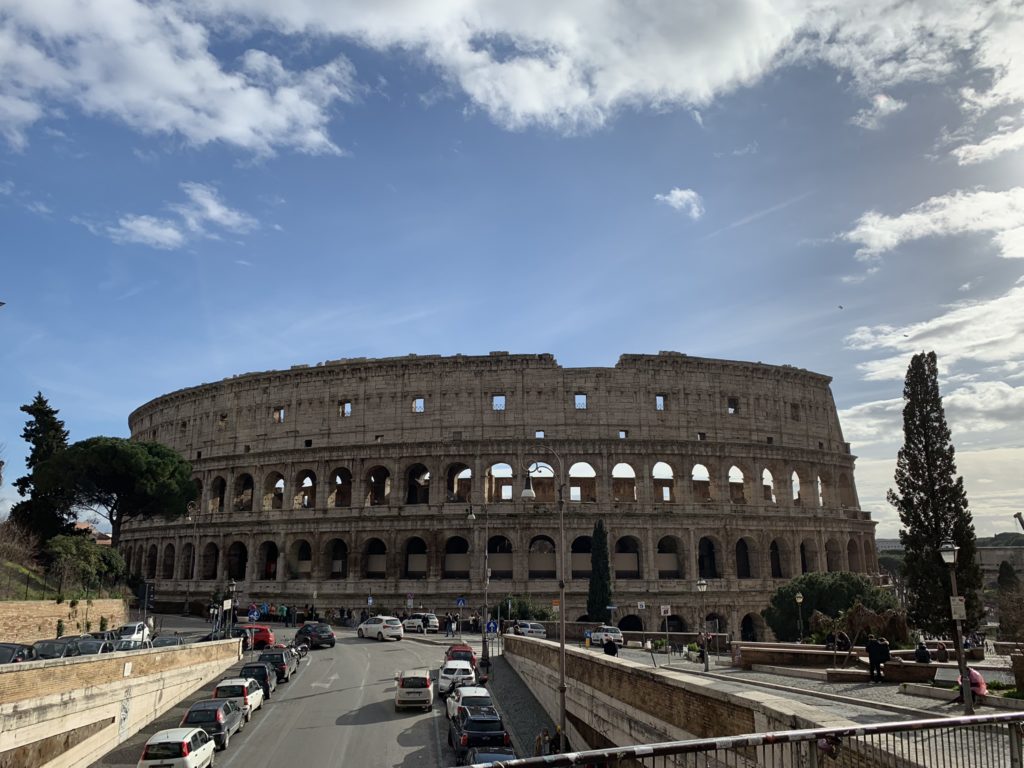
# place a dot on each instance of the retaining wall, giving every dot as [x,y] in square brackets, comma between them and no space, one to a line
[25,621]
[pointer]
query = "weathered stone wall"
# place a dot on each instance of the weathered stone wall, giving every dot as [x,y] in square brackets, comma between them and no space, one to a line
[25,621]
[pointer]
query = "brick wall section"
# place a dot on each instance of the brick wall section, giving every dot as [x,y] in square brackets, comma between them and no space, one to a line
[25,621]
[19,682]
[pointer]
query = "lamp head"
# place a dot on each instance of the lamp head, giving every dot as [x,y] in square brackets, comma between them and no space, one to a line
[799,597]
[528,492]
[702,585]
[470,515]
[948,552]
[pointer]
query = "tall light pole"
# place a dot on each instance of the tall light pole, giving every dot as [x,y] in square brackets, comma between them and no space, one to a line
[192,513]
[799,616]
[702,587]
[529,495]
[948,552]
[485,656]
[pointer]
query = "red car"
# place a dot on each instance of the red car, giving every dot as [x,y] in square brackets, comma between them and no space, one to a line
[463,652]
[262,636]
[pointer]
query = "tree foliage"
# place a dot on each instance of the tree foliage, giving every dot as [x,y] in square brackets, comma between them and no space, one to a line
[77,559]
[599,596]
[17,543]
[120,479]
[1007,579]
[932,505]
[44,511]
[828,593]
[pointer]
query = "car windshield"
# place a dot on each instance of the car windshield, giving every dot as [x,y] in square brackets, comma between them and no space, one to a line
[392,622]
[462,655]
[126,631]
[90,646]
[256,672]
[274,657]
[201,716]
[229,691]
[476,701]
[164,641]
[50,650]
[415,682]
[6,654]
[485,726]
[128,645]
[163,750]
[450,671]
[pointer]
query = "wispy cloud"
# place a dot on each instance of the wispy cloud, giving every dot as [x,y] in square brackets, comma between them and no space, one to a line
[752,217]
[205,207]
[882,106]
[685,200]
[991,147]
[146,230]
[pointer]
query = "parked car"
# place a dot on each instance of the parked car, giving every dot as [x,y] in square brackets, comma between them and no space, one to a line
[466,696]
[414,623]
[600,635]
[381,627]
[532,629]
[14,653]
[55,649]
[134,631]
[454,673]
[178,748]
[489,755]
[245,692]
[92,646]
[220,718]
[414,688]
[217,634]
[476,727]
[107,634]
[262,635]
[460,651]
[283,662]
[431,623]
[133,645]
[315,635]
[263,673]
[168,641]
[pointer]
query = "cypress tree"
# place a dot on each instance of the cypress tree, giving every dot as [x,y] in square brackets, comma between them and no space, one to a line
[932,505]
[599,596]
[1007,579]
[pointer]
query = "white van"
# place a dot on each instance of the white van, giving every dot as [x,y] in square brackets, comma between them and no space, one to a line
[134,631]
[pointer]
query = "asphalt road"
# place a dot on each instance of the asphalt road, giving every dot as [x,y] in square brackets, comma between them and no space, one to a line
[338,710]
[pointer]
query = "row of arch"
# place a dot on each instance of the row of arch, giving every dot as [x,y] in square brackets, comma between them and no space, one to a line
[378,487]
[779,560]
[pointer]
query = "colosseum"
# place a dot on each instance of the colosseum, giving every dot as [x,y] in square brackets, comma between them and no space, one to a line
[354,479]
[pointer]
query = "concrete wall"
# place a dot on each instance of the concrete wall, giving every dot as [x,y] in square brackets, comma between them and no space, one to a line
[25,621]
[66,713]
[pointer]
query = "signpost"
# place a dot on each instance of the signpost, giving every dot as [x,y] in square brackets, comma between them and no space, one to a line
[666,611]
[958,607]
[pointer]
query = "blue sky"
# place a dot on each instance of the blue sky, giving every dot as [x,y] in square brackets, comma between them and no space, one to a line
[194,190]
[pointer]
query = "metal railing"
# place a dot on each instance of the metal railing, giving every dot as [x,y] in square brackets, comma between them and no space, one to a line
[980,741]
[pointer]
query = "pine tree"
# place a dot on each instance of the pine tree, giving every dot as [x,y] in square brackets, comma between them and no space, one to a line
[599,596]
[43,512]
[1007,579]
[932,505]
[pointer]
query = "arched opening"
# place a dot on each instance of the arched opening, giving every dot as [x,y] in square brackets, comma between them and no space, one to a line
[211,558]
[542,558]
[670,558]
[626,560]
[341,494]
[456,558]
[853,556]
[336,559]
[273,491]
[199,492]
[151,556]
[417,485]
[808,556]
[266,561]
[188,561]
[167,566]
[819,487]
[244,489]
[868,558]
[744,566]
[415,566]
[716,623]
[664,483]
[794,483]
[375,559]
[126,553]
[847,498]
[542,479]
[767,487]
[579,557]
[737,492]
[675,624]
[833,556]
[300,560]
[459,484]
[305,490]
[498,484]
[378,487]
[218,492]
[238,558]
[631,623]
[499,557]
[137,571]
[707,565]
[701,479]
[752,628]
[778,560]
[623,483]
[582,483]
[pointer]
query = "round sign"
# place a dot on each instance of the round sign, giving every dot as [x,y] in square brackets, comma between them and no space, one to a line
[254,615]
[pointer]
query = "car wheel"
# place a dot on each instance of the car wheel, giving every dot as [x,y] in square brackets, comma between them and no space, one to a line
[213,761]
[225,741]
[242,722]
[332,643]
[397,708]
[380,636]
[359,633]
[248,716]
[450,744]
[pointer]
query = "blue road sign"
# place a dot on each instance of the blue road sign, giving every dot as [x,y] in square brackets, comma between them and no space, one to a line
[460,602]
[586,633]
[492,627]
[369,600]
[254,615]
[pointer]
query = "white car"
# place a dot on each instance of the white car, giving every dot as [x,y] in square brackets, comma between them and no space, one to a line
[414,623]
[532,629]
[467,696]
[178,748]
[381,627]
[137,630]
[600,635]
[244,691]
[414,688]
[454,673]
[431,623]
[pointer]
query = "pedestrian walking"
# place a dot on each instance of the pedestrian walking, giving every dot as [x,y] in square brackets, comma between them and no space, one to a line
[610,648]
[542,743]
[874,654]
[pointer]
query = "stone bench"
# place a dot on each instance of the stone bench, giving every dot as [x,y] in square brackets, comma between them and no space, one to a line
[788,656]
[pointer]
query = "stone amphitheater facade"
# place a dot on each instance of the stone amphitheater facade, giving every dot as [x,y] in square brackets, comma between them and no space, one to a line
[351,479]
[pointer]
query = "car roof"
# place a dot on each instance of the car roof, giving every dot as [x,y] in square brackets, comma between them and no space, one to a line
[472,690]
[208,704]
[172,734]
[416,673]
[483,713]
[236,681]
[458,647]
[458,664]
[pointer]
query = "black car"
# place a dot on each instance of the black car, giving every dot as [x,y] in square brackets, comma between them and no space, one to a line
[93,646]
[282,661]
[56,649]
[107,634]
[263,673]
[168,641]
[489,755]
[13,653]
[315,635]
[220,718]
[245,634]
[476,727]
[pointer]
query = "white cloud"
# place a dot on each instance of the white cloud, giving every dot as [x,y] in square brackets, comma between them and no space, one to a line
[206,207]
[1000,214]
[147,230]
[882,105]
[6,187]
[35,206]
[685,200]
[991,147]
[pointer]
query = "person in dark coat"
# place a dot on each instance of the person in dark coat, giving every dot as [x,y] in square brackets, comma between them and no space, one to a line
[873,647]
[921,654]
[843,642]
[610,648]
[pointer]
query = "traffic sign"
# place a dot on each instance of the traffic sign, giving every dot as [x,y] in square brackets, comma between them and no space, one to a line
[254,615]
[666,610]
[460,602]
[612,607]
[641,606]
[492,627]
[408,602]
[369,600]
[958,607]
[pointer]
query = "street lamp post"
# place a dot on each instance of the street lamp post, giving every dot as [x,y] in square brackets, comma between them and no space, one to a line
[485,656]
[948,552]
[232,586]
[529,495]
[702,587]
[799,616]
[191,513]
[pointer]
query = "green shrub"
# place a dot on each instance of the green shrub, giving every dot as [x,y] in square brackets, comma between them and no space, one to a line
[60,627]
[103,623]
